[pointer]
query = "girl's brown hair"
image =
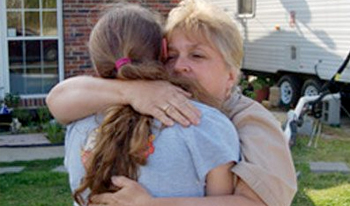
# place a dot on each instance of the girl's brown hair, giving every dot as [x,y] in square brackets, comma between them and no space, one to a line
[130,31]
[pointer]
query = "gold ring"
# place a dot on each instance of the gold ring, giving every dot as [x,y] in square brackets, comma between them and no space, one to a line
[167,108]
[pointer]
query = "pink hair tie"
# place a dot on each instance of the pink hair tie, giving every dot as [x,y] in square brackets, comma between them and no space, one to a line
[121,62]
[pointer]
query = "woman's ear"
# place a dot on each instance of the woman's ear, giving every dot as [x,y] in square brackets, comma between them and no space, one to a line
[231,82]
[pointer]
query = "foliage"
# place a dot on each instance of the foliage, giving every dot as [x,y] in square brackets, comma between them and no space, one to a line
[262,82]
[32,120]
[12,100]
[54,132]
[329,189]
[36,185]
[249,88]
[43,115]
[23,115]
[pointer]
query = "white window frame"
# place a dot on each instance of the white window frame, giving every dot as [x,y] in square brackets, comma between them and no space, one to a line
[3,71]
[245,15]
[4,63]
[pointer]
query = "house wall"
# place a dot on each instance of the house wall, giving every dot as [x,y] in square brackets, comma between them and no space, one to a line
[79,16]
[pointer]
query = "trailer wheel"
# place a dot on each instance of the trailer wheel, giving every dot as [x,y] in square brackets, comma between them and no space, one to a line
[289,89]
[311,87]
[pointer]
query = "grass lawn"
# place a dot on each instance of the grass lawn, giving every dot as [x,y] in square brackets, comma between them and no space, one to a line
[38,186]
[331,189]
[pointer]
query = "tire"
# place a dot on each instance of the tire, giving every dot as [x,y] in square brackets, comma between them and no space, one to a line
[289,90]
[311,87]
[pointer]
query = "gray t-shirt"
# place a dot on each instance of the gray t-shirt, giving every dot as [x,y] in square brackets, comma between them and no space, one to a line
[182,157]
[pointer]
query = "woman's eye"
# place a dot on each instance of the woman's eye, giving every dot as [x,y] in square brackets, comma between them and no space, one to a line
[170,58]
[197,56]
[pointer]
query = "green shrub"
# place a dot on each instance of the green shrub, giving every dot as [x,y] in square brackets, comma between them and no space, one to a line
[23,115]
[248,88]
[43,115]
[12,100]
[54,132]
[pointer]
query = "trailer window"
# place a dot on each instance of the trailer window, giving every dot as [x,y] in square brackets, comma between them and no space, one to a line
[246,8]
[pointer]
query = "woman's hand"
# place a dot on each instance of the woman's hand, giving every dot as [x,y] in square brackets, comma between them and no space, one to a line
[163,101]
[131,193]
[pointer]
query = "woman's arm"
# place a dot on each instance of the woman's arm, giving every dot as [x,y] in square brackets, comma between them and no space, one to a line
[82,96]
[132,193]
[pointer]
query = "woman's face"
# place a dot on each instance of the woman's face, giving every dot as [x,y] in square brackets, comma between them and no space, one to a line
[199,60]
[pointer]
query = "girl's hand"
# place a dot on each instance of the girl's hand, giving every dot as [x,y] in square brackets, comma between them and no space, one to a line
[163,101]
[131,193]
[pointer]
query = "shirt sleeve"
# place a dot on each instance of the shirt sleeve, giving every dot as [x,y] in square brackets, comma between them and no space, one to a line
[212,143]
[266,165]
[75,139]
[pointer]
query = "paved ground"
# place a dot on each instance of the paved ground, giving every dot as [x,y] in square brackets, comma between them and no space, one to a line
[23,139]
[4,170]
[325,167]
[24,147]
[30,153]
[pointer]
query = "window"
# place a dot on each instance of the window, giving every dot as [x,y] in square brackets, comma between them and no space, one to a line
[32,46]
[246,8]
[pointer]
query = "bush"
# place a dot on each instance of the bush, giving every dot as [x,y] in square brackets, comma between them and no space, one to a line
[249,88]
[54,132]
[23,115]
[43,115]
[12,100]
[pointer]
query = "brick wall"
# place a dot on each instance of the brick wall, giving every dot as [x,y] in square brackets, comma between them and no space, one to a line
[79,16]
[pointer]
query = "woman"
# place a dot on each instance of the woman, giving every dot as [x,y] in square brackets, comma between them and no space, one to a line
[203,42]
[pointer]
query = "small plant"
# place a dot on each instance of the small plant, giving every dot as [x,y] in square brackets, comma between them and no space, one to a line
[23,115]
[254,86]
[54,132]
[247,88]
[262,82]
[43,115]
[12,100]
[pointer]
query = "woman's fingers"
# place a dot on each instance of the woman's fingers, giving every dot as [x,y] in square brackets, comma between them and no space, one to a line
[182,109]
[130,193]
[175,114]
[101,199]
[162,117]
[165,102]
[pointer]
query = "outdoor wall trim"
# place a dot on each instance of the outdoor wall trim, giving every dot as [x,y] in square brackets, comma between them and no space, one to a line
[60,40]
[3,49]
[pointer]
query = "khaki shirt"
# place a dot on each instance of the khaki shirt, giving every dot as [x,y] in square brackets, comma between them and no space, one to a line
[266,164]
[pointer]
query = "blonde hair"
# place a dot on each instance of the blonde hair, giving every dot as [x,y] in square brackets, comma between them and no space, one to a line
[126,31]
[198,17]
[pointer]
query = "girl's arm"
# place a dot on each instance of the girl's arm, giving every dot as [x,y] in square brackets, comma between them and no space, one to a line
[219,180]
[134,194]
[82,96]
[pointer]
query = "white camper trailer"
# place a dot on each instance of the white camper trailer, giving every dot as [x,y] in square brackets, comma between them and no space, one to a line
[301,43]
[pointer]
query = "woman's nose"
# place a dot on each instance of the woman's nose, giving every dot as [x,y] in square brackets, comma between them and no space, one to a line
[181,66]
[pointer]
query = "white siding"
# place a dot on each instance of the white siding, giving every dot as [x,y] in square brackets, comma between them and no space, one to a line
[322,31]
